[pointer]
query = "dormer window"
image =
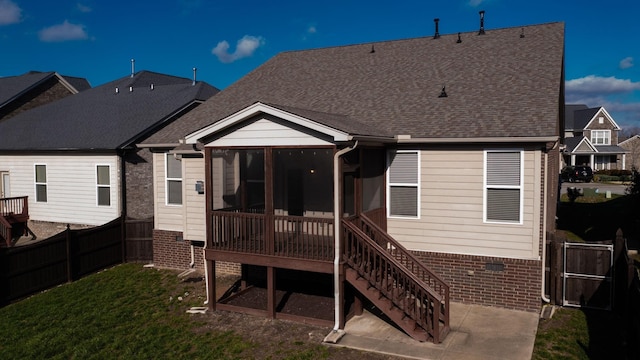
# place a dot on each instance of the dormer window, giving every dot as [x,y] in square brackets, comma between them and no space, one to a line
[601,137]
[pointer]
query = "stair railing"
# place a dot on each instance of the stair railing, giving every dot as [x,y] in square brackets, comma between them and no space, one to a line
[408,292]
[407,259]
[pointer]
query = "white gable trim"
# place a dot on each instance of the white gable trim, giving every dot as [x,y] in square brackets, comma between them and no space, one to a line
[586,141]
[258,108]
[606,114]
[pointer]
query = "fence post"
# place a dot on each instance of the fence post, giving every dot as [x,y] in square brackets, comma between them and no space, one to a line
[69,260]
[123,237]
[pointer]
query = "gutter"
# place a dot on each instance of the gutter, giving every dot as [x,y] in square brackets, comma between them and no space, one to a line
[336,234]
[404,139]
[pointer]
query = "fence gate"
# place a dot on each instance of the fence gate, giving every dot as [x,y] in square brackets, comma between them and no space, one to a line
[588,275]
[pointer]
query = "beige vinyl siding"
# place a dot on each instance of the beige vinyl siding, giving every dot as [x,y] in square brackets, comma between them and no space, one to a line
[451,219]
[267,133]
[195,212]
[166,217]
[71,186]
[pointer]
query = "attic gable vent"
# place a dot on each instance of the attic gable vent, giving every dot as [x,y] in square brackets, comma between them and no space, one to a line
[481,32]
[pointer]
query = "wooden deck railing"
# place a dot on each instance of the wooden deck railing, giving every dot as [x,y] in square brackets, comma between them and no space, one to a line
[263,234]
[408,292]
[14,206]
[12,210]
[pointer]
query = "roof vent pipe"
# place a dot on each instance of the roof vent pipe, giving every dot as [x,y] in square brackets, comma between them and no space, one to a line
[437,33]
[133,67]
[130,88]
[117,90]
[522,33]
[151,86]
[481,32]
[443,93]
[194,76]
[459,39]
[372,49]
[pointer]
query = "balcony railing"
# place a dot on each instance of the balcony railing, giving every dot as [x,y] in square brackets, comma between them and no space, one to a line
[265,234]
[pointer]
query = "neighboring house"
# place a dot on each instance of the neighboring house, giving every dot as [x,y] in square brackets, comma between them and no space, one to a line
[591,138]
[24,92]
[76,159]
[632,146]
[332,161]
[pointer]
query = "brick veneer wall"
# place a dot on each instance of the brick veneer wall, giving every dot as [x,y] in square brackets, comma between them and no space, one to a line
[516,287]
[139,183]
[171,253]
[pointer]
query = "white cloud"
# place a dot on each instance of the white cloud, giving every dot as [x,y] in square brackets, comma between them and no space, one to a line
[84,8]
[626,63]
[63,32]
[10,13]
[475,3]
[597,85]
[312,29]
[244,48]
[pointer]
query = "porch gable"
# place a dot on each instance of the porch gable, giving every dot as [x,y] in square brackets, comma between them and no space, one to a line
[260,109]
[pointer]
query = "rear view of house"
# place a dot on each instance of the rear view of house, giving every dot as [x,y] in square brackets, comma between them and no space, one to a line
[412,172]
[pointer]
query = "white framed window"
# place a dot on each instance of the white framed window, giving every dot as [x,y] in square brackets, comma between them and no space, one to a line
[41,182]
[403,184]
[601,137]
[503,186]
[173,175]
[103,185]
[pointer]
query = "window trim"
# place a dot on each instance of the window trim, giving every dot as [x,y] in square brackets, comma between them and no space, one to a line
[606,136]
[416,185]
[168,179]
[98,186]
[486,187]
[36,183]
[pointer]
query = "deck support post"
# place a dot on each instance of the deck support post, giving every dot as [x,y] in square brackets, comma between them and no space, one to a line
[211,275]
[271,292]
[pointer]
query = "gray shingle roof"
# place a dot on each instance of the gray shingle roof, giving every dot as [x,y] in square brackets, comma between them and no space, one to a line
[498,84]
[101,118]
[569,111]
[582,117]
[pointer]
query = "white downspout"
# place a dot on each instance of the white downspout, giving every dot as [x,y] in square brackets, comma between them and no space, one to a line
[206,271]
[544,229]
[192,264]
[336,233]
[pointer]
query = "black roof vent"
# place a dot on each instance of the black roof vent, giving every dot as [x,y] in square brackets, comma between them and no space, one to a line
[522,33]
[442,93]
[459,39]
[372,49]
[437,33]
[481,32]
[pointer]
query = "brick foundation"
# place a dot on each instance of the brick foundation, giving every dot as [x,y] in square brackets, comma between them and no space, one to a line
[176,254]
[500,282]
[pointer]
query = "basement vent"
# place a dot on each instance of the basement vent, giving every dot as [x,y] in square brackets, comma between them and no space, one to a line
[494,266]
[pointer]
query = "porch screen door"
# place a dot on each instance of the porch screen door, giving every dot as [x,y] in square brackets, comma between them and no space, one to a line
[4,185]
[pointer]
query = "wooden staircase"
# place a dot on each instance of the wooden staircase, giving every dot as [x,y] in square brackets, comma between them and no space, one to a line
[405,290]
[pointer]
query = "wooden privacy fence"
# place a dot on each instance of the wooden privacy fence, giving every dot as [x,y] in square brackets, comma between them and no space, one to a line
[62,258]
[139,240]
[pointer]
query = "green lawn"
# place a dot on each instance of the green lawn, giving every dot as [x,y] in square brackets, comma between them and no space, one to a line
[126,312]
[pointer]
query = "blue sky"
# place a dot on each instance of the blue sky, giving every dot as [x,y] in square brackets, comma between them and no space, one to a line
[225,40]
